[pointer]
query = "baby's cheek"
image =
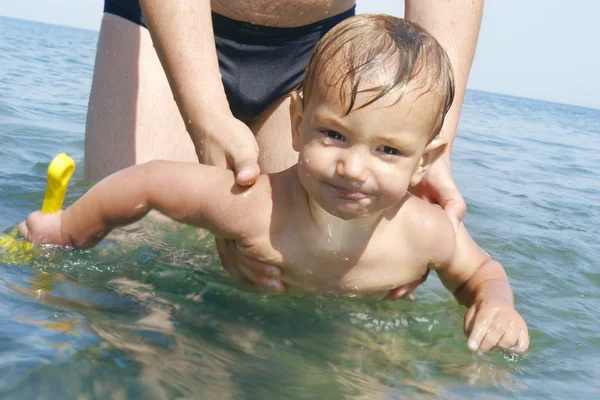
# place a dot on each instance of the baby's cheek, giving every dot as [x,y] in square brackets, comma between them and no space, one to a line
[315,160]
[394,184]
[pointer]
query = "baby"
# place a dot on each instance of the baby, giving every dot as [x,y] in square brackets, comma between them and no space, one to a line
[365,123]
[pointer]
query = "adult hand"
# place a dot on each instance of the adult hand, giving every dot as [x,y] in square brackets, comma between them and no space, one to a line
[233,146]
[248,269]
[229,143]
[268,277]
[406,290]
[438,187]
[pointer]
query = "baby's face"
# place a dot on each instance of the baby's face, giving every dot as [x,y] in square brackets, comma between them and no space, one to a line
[363,163]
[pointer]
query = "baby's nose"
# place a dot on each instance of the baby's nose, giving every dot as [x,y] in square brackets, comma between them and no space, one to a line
[352,165]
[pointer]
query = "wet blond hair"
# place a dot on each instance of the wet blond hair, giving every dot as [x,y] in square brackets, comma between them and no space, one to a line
[393,50]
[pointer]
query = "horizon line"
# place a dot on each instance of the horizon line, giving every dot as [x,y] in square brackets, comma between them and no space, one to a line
[579,105]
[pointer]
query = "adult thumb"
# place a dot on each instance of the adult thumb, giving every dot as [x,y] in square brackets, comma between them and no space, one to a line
[245,166]
[456,209]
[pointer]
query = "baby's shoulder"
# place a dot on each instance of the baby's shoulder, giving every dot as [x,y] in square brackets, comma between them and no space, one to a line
[429,228]
[424,214]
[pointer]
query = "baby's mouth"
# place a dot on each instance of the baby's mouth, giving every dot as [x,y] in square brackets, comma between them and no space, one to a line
[348,193]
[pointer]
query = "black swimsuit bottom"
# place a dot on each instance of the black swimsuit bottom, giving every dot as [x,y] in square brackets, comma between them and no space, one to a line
[259,64]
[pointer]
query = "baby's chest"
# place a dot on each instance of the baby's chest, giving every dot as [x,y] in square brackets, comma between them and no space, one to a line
[368,271]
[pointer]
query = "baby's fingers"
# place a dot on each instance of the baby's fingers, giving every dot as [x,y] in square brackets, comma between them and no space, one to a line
[24,230]
[516,340]
[491,337]
[479,332]
[511,337]
[470,320]
[25,226]
[497,329]
[522,342]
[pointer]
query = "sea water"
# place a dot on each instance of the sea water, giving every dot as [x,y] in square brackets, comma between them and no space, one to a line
[150,314]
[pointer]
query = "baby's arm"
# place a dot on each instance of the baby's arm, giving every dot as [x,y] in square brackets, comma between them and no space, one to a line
[194,194]
[480,283]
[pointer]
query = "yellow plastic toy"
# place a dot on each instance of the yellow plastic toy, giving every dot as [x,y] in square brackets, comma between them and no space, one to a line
[59,174]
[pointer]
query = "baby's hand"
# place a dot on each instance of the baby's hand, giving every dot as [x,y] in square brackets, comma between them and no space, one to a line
[41,228]
[491,323]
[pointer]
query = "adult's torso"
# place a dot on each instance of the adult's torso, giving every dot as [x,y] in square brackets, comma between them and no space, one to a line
[280,13]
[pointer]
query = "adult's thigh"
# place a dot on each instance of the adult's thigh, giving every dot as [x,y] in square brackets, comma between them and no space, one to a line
[274,136]
[132,117]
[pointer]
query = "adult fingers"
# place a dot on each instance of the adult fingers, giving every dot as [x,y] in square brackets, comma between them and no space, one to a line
[247,269]
[263,275]
[226,250]
[453,203]
[456,210]
[262,281]
[444,192]
[259,267]
[405,290]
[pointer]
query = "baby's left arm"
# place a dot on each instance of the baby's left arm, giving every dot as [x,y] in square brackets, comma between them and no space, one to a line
[480,283]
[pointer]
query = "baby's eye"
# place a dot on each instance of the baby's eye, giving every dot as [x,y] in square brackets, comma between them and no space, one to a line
[390,150]
[334,135]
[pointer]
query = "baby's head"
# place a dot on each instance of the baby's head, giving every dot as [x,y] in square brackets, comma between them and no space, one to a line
[366,118]
[378,54]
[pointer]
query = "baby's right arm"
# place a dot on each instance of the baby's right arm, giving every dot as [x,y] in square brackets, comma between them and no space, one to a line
[194,194]
[476,280]
[480,283]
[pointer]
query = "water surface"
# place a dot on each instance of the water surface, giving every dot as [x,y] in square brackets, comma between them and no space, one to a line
[150,314]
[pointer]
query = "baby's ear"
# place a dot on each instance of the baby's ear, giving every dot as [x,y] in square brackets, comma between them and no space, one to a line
[296,118]
[432,152]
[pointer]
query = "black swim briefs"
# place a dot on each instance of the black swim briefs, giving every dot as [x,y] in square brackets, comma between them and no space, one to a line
[259,64]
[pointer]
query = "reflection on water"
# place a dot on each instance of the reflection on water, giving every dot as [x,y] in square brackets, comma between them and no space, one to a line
[155,316]
[150,314]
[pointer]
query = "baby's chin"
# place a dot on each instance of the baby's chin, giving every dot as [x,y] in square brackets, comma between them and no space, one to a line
[349,213]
